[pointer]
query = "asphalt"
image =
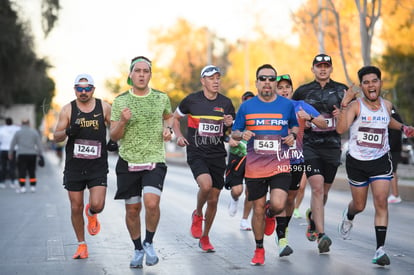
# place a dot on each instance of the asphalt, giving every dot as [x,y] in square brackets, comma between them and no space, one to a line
[405,176]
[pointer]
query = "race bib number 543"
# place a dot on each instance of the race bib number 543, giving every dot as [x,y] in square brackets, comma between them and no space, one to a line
[87,149]
[267,144]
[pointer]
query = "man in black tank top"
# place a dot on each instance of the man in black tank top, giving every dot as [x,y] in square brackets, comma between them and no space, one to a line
[83,122]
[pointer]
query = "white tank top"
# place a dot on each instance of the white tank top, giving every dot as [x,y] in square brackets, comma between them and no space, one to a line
[368,134]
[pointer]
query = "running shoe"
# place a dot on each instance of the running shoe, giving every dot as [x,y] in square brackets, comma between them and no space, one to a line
[270,222]
[2,185]
[324,243]
[245,225]
[297,214]
[32,189]
[310,231]
[393,199]
[151,257]
[81,252]
[233,207]
[93,224]
[205,244]
[284,248]
[137,258]
[21,190]
[259,257]
[345,226]
[380,257]
[196,225]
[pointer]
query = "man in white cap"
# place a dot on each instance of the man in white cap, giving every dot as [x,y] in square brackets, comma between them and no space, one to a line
[84,121]
[210,114]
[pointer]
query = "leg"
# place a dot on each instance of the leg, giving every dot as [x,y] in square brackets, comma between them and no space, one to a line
[316,183]
[380,189]
[133,219]
[76,205]
[211,210]
[97,199]
[301,192]
[258,218]
[247,208]
[205,184]
[152,211]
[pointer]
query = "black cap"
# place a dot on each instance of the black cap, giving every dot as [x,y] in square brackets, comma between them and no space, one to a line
[247,95]
[322,58]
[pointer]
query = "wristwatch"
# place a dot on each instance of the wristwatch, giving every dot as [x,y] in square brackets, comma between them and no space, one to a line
[294,135]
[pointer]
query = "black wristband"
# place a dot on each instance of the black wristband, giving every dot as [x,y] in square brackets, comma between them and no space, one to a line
[294,135]
[311,117]
[170,128]
[402,128]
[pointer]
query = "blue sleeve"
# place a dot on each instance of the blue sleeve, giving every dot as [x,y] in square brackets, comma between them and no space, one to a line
[293,120]
[309,109]
[240,121]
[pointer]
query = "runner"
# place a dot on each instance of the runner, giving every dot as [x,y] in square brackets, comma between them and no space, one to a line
[368,161]
[209,114]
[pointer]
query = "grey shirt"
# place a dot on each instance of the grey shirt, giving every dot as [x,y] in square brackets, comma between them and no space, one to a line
[28,142]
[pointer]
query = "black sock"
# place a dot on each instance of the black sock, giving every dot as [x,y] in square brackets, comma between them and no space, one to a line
[137,244]
[380,233]
[281,227]
[149,236]
[312,223]
[259,243]
[320,235]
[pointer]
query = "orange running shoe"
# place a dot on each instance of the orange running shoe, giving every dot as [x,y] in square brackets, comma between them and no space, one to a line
[93,224]
[205,244]
[270,222]
[259,257]
[82,252]
[196,225]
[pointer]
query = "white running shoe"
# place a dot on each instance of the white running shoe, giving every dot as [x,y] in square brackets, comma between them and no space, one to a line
[394,199]
[233,207]
[245,225]
[345,226]
[22,189]
[2,185]
[32,189]
[380,257]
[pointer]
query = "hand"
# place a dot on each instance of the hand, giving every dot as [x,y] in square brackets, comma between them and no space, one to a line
[126,115]
[408,131]
[303,115]
[112,146]
[289,140]
[247,135]
[167,134]
[228,120]
[350,95]
[181,141]
[41,161]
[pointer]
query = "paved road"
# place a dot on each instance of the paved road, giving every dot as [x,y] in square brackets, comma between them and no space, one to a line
[36,236]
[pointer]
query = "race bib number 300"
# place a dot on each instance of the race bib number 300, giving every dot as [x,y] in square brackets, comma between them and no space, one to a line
[370,137]
[267,144]
[210,127]
[87,149]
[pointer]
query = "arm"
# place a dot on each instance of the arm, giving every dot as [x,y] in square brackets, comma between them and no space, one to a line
[117,128]
[168,127]
[181,140]
[346,117]
[62,124]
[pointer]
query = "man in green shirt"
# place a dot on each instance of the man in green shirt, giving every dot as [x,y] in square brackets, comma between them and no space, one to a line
[141,120]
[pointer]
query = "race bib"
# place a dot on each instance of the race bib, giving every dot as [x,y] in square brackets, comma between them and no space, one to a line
[135,167]
[370,137]
[267,144]
[86,149]
[210,127]
[330,120]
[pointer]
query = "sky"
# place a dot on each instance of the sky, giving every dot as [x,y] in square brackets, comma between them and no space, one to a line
[97,36]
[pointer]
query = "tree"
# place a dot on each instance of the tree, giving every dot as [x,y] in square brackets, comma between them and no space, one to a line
[23,77]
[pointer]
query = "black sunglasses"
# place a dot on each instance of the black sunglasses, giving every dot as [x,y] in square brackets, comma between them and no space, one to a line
[271,78]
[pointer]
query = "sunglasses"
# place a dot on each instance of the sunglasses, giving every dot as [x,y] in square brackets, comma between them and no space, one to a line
[283,76]
[81,89]
[271,78]
[324,58]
